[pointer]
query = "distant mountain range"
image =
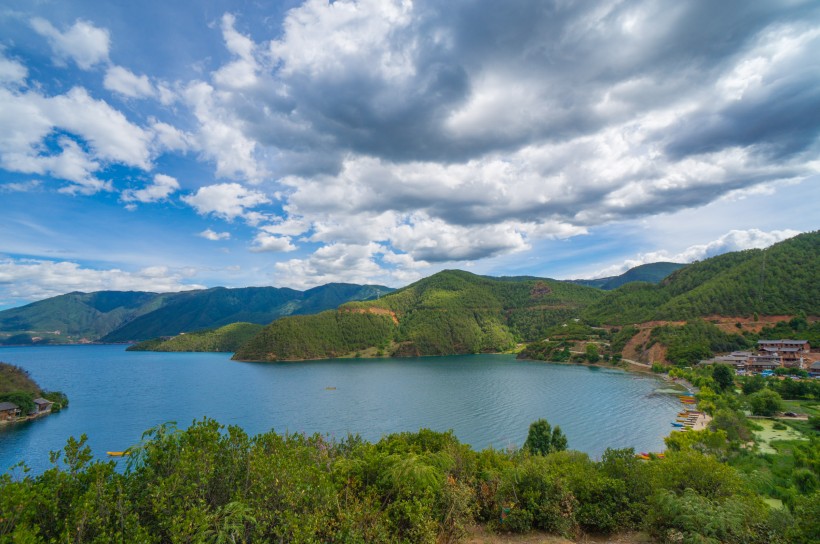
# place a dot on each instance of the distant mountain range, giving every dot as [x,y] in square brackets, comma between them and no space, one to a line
[448,313]
[651,272]
[117,316]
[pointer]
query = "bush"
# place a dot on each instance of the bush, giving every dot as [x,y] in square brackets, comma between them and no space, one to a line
[766,403]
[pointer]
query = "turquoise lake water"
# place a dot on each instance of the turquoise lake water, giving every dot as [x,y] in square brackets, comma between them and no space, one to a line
[487,400]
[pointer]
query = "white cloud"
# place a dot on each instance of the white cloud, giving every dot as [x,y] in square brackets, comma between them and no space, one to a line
[170,138]
[127,83]
[38,279]
[332,263]
[161,188]
[214,236]
[734,240]
[264,242]
[21,187]
[83,43]
[101,134]
[226,200]
[220,135]
[11,71]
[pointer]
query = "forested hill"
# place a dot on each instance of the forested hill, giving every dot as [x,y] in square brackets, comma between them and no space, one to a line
[223,339]
[76,315]
[116,316]
[650,272]
[217,307]
[780,280]
[448,313]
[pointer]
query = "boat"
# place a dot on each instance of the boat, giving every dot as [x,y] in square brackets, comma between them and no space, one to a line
[677,424]
[117,453]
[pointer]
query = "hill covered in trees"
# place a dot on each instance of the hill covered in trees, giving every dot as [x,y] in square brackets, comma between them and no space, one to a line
[17,387]
[448,313]
[117,316]
[779,280]
[223,339]
[650,272]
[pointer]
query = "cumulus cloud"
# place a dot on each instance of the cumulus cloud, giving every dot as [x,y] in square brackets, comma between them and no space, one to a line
[401,124]
[11,71]
[162,187]
[100,134]
[331,263]
[38,279]
[123,81]
[271,243]
[83,42]
[214,236]
[734,240]
[227,200]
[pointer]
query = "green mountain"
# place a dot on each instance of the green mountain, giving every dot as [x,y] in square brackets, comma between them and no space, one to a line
[651,272]
[780,280]
[196,310]
[450,312]
[69,317]
[228,338]
[115,316]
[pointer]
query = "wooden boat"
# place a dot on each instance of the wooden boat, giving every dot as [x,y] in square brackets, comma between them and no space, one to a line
[117,453]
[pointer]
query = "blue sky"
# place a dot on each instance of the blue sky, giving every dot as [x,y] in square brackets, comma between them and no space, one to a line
[174,145]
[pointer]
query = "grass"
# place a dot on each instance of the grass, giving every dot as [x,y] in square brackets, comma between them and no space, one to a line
[768,434]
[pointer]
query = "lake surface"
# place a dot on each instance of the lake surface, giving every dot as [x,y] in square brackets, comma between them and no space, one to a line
[488,400]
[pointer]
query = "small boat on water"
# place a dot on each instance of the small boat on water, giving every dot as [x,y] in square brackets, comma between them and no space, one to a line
[677,424]
[117,453]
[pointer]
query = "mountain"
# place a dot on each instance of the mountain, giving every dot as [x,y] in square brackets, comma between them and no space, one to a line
[650,272]
[448,313]
[73,316]
[116,316]
[780,280]
[195,310]
[228,339]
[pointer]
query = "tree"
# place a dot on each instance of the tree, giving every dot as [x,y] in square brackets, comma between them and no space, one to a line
[724,377]
[754,384]
[766,403]
[542,439]
[592,353]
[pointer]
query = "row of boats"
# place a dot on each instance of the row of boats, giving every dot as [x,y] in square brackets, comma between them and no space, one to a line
[684,421]
[687,418]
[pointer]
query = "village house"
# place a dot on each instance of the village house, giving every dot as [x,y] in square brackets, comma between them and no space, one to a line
[42,406]
[771,354]
[9,411]
[814,369]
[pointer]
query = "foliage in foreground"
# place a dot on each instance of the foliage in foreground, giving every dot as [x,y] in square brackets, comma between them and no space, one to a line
[211,484]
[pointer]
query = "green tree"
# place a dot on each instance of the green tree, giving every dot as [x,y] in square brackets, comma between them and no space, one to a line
[542,439]
[753,384]
[724,377]
[592,353]
[766,403]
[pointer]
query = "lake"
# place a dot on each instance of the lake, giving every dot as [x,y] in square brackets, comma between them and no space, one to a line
[487,400]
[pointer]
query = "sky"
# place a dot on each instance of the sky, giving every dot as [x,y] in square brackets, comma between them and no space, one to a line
[164,146]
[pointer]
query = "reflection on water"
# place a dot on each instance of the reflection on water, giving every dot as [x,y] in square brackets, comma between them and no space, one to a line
[487,400]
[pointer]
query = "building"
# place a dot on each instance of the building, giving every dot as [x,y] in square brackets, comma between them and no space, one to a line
[814,369]
[9,411]
[759,363]
[737,359]
[797,346]
[42,405]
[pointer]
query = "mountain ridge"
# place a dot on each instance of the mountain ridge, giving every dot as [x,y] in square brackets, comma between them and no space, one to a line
[121,316]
